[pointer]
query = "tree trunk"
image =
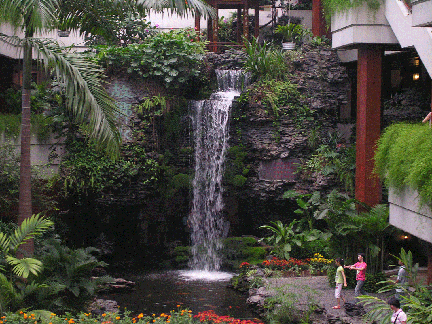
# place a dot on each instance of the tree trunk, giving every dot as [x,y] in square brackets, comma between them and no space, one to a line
[25,197]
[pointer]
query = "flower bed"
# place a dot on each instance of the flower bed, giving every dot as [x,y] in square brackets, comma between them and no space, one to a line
[317,265]
[180,316]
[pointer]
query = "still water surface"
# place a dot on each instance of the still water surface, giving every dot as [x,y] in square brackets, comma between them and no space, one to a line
[158,293]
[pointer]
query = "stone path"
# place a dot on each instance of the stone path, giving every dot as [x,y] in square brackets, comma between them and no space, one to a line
[322,293]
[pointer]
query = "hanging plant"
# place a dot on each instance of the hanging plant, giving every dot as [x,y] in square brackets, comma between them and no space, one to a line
[404,159]
[332,7]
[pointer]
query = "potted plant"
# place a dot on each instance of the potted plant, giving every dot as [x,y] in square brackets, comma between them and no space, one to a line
[290,33]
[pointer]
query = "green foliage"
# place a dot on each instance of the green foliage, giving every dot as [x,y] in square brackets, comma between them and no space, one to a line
[416,300]
[67,276]
[242,249]
[9,178]
[42,198]
[173,58]
[320,41]
[226,32]
[149,105]
[331,159]
[131,29]
[283,307]
[403,158]
[280,97]
[15,292]
[265,63]
[342,6]
[374,282]
[40,126]
[181,255]
[290,32]
[87,171]
[285,237]
[236,170]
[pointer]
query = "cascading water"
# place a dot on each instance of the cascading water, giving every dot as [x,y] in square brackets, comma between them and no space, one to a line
[210,124]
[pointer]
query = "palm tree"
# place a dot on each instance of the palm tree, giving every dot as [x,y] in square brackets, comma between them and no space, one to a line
[85,94]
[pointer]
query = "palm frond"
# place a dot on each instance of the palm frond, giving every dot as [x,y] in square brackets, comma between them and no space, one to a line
[180,7]
[85,93]
[4,243]
[30,227]
[23,267]
[7,292]
[35,15]
[378,309]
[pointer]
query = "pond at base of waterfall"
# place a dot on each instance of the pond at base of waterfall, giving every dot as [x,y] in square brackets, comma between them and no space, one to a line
[158,293]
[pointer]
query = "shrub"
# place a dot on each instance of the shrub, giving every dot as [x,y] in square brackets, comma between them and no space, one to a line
[173,58]
[403,158]
[242,249]
[265,63]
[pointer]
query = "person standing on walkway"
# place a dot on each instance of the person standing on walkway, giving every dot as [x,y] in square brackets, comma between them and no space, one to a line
[398,316]
[401,279]
[339,279]
[360,267]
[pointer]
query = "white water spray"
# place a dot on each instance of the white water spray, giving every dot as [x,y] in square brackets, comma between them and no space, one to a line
[210,124]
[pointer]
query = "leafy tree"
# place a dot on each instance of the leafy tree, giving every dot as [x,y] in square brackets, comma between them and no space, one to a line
[85,94]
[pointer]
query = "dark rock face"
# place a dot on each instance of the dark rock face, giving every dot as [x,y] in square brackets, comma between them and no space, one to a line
[275,148]
[229,60]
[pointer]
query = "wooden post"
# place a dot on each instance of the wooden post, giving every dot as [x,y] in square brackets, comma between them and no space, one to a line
[215,30]
[197,22]
[239,24]
[318,20]
[368,188]
[256,27]
[246,21]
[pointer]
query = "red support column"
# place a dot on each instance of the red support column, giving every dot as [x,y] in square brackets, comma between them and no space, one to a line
[256,27]
[368,188]
[197,22]
[318,22]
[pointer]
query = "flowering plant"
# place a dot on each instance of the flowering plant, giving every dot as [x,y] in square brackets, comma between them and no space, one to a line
[211,317]
[281,264]
[319,263]
[174,317]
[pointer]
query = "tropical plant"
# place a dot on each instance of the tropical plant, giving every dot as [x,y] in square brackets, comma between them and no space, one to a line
[263,62]
[67,276]
[285,237]
[416,299]
[282,307]
[173,58]
[340,6]
[85,94]
[290,33]
[403,159]
[308,205]
[14,291]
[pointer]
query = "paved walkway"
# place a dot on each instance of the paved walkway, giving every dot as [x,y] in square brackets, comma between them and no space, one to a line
[318,289]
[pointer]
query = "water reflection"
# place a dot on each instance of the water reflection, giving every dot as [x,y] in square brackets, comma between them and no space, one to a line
[158,293]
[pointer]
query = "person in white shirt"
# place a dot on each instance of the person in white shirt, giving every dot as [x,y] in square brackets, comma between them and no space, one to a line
[398,316]
[402,279]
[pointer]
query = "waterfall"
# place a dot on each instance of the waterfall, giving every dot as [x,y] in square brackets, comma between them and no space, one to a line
[210,126]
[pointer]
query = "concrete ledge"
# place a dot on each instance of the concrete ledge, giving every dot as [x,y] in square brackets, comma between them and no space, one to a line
[407,214]
[422,13]
[361,26]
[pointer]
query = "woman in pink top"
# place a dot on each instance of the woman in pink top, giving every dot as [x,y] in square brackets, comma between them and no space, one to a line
[360,266]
